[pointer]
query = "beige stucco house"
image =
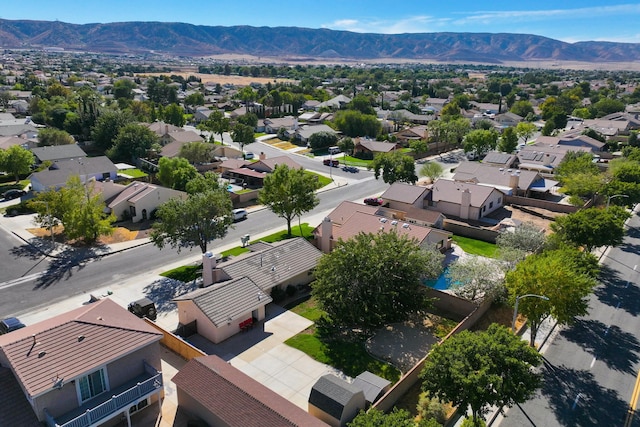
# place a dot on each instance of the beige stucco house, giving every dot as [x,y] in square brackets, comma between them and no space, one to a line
[464,200]
[83,368]
[138,199]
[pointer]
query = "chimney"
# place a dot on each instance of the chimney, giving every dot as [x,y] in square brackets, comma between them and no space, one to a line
[166,129]
[514,179]
[262,156]
[325,238]
[465,203]
[208,265]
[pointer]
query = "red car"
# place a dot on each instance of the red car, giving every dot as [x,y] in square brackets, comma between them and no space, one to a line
[373,201]
[331,162]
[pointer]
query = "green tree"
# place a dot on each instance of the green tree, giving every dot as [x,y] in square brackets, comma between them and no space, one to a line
[196,152]
[607,106]
[480,141]
[194,222]
[133,142]
[321,140]
[362,103]
[593,227]
[217,123]
[556,275]
[107,127]
[575,162]
[289,192]
[396,418]
[431,170]
[194,99]
[174,114]
[394,166]
[242,134]
[354,124]
[78,207]
[52,136]
[449,132]
[372,280]
[479,369]
[123,88]
[508,140]
[16,161]
[175,172]
[203,183]
[526,238]
[450,112]
[525,130]
[346,145]
[522,108]
[247,95]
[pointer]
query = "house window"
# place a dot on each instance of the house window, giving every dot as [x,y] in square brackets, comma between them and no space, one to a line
[484,208]
[92,385]
[499,200]
[132,211]
[490,205]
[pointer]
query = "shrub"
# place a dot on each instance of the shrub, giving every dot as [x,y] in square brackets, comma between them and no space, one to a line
[468,422]
[291,290]
[431,407]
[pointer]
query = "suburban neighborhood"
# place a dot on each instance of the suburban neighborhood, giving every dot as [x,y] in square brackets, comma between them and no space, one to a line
[317,246]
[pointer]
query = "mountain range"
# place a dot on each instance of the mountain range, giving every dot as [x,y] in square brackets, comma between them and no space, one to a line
[180,39]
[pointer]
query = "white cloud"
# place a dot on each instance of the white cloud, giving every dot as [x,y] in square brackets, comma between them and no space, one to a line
[412,24]
[491,17]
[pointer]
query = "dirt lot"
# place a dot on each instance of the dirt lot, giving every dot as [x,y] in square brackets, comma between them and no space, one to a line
[542,220]
[222,79]
[132,231]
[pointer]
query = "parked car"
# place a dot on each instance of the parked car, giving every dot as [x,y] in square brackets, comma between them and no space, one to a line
[249,155]
[10,324]
[351,169]
[239,214]
[331,162]
[143,307]
[373,201]
[13,194]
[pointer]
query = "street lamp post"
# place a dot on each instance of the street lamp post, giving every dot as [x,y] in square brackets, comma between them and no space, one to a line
[615,195]
[515,309]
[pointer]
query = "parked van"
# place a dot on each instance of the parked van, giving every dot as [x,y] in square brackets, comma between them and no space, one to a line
[334,150]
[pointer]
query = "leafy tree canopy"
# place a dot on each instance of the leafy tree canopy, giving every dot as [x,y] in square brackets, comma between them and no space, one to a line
[593,227]
[508,140]
[479,369]
[196,152]
[52,136]
[133,142]
[394,166]
[175,172]
[431,170]
[16,161]
[289,192]
[322,140]
[374,279]
[193,222]
[107,127]
[480,141]
[353,123]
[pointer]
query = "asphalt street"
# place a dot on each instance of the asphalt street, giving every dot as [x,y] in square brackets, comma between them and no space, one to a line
[591,368]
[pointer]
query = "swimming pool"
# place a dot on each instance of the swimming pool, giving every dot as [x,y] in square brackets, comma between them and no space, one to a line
[442,283]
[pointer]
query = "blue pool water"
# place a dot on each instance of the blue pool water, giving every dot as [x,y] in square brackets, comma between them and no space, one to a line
[442,283]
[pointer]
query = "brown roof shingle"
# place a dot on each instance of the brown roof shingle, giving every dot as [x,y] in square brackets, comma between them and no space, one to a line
[108,332]
[236,398]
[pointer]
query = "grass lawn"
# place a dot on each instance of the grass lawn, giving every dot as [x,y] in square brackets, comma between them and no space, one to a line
[238,250]
[307,308]
[135,173]
[353,161]
[10,185]
[350,357]
[323,180]
[476,247]
[185,273]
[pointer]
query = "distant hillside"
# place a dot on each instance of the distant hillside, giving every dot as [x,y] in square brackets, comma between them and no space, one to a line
[292,42]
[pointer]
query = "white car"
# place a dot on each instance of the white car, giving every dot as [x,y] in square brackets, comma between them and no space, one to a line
[239,214]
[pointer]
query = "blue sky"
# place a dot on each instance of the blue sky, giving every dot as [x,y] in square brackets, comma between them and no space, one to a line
[567,20]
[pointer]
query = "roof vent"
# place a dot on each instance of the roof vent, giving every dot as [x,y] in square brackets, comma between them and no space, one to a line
[383,220]
[80,338]
[501,169]
[394,222]
[405,225]
[42,354]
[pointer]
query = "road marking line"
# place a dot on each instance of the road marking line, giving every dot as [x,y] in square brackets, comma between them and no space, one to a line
[593,362]
[575,402]
[634,267]
[633,403]
[20,280]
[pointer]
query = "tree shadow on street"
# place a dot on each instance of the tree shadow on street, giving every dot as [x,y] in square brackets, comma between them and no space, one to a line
[32,250]
[62,265]
[163,291]
[616,292]
[610,345]
[577,399]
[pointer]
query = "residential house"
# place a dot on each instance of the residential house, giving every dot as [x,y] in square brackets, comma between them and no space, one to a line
[236,291]
[87,367]
[202,114]
[544,157]
[267,165]
[350,219]
[514,182]
[273,125]
[54,153]
[369,147]
[8,141]
[87,168]
[608,128]
[335,401]
[304,132]
[335,103]
[466,201]
[508,119]
[10,126]
[212,390]
[500,159]
[138,200]
[173,142]
[405,136]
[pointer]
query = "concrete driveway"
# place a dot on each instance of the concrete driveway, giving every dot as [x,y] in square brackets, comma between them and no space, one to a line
[262,354]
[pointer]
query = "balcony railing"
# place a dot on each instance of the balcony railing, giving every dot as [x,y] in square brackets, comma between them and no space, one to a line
[115,404]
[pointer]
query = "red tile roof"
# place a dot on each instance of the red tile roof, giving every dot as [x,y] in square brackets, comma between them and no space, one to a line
[237,399]
[74,343]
